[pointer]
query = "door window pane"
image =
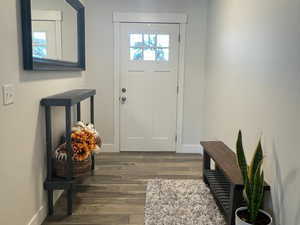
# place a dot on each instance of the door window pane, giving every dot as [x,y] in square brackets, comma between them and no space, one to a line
[149,54]
[39,51]
[162,54]
[136,53]
[150,40]
[39,38]
[136,40]
[163,40]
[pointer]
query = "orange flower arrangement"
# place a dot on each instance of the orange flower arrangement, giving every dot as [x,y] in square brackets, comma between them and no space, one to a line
[83,143]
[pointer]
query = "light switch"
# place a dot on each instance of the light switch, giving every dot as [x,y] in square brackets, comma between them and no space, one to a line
[8,94]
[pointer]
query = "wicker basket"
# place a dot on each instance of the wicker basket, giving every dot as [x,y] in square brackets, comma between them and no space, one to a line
[80,168]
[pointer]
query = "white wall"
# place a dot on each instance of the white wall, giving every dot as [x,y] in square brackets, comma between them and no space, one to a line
[22,136]
[253,84]
[100,58]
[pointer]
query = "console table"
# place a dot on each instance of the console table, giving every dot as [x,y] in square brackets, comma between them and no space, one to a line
[225,180]
[66,100]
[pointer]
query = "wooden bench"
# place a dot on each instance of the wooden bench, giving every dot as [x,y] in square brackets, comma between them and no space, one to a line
[225,180]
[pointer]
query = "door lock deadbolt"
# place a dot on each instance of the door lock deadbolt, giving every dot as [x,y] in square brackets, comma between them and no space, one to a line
[123,99]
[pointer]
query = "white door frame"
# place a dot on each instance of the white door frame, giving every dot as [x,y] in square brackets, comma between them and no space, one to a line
[171,18]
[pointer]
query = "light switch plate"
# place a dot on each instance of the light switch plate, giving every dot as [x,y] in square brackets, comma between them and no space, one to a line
[8,94]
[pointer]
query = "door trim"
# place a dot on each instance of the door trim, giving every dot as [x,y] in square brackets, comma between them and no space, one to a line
[121,17]
[172,18]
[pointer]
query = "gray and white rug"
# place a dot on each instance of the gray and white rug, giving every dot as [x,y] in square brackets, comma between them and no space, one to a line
[180,202]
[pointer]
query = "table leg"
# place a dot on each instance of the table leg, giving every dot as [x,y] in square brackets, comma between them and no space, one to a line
[70,201]
[206,165]
[69,155]
[49,156]
[50,202]
[78,111]
[93,122]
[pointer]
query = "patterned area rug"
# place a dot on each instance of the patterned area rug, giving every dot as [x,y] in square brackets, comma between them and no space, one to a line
[180,202]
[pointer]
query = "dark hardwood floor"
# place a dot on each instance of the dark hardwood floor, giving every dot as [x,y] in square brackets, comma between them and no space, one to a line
[116,193]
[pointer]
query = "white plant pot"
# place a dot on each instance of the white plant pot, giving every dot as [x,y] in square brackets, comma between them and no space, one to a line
[238,221]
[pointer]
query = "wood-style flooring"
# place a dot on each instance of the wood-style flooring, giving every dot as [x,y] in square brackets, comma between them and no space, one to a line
[116,193]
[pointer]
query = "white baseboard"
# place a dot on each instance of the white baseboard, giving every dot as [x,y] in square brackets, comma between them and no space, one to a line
[39,217]
[42,213]
[108,148]
[185,148]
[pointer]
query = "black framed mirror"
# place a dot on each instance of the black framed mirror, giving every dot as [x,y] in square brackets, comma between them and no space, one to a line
[53,35]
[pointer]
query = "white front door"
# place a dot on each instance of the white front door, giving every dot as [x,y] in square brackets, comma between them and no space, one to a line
[44,39]
[148,86]
[46,34]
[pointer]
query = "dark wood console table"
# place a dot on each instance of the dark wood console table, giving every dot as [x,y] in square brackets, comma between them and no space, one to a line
[67,100]
[225,180]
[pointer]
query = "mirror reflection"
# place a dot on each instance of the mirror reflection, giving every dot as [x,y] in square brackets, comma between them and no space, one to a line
[54,30]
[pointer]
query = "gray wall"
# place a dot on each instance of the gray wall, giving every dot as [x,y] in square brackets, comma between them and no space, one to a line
[100,59]
[253,84]
[22,137]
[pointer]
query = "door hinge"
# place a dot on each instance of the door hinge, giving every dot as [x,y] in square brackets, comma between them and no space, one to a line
[176,138]
[177,89]
[179,37]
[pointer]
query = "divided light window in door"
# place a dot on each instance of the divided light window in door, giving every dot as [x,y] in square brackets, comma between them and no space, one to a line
[149,47]
[40,45]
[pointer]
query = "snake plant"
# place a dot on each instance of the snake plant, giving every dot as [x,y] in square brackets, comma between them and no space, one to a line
[253,178]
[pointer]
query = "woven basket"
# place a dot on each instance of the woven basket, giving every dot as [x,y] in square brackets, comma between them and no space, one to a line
[80,168]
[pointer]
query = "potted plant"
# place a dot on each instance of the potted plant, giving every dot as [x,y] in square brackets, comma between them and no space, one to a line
[253,177]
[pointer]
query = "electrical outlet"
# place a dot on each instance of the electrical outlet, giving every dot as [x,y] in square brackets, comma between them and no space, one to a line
[8,94]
